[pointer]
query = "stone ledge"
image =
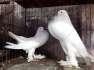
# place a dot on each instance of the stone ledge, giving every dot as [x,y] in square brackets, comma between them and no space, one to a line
[44,64]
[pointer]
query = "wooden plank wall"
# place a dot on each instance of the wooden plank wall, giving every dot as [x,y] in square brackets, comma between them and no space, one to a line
[87,25]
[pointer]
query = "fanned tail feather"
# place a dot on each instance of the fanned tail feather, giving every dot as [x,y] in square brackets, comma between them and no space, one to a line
[9,43]
[11,46]
[16,37]
[13,36]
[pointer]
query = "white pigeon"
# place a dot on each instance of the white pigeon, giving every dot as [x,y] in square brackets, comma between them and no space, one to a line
[62,29]
[29,44]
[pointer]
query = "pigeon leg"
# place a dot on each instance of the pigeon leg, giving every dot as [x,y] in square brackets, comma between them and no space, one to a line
[71,59]
[71,56]
[31,54]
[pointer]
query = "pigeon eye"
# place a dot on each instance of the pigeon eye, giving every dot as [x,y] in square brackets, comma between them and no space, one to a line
[41,28]
[61,11]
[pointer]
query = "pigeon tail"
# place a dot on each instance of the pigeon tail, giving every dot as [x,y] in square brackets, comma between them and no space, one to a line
[11,46]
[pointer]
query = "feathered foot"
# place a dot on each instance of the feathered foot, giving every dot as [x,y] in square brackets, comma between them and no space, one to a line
[68,64]
[39,56]
[30,54]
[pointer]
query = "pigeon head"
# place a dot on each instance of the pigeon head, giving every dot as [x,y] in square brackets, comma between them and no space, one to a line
[62,15]
[41,29]
[62,12]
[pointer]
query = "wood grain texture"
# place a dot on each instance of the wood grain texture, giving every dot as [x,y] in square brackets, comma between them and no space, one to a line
[87,24]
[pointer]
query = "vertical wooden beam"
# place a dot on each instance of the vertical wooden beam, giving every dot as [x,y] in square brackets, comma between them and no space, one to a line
[86,24]
[92,26]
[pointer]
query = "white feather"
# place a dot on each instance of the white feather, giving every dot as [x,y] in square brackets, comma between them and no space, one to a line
[29,44]
[62,29]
